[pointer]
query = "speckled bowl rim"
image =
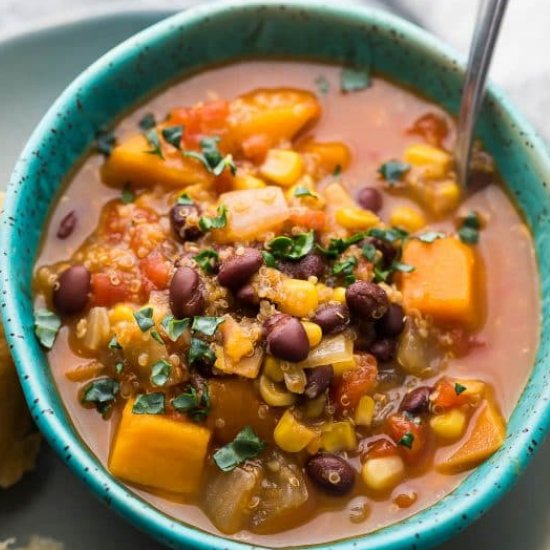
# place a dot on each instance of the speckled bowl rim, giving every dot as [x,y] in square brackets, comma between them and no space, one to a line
[426,528]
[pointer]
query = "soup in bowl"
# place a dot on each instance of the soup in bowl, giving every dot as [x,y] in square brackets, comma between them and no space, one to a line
[267,306]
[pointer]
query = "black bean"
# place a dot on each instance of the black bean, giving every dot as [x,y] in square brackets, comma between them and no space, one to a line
[331,473]
[389,377]
[184,220]
[384,350]
[388,251]
[417,401]
[392,322]
[331,318]
[366,300]
[318,380]
[247,296]
[311,265]
[287,339]
[67,225]
[71,292]
[235,271]
[186,296]
[370,198]
[366,335]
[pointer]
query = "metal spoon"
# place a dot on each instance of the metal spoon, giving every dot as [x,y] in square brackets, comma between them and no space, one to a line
[487,26]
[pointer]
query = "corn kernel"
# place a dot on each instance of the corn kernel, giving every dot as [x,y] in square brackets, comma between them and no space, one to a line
[272,369]
[407,218]
[246,181]
[338,436]
[341,367]
[315,446]
[356,218]
[444,197]
[364,412]
[121,312]
[339,294]
[449,425]
[298,298]
[383,473]
[282,167]
[436,162]
[275,394]
[292,436]
[314,333]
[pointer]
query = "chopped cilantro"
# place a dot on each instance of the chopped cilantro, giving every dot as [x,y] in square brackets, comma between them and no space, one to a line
[337,246]
[119,367]
[104,142]
[149,403]
[160,373]
[127,196]
[216,222]
[407,440]
[269,259]
[469,230]
[393,170]
[207,260]
[404,268]
[207,325]
[431,236]
[246,445]
[200,352]
[153,140]
[390,235]
[175,327]
[195,404]
[144,318]
[147,122]
[337,171]
[369,252]
[114,343]
[459,388]
[302,191]
[345,269]
[292,248]
[173,135]
[46,327]
[185,200]
[157,337]
[322,84]
[354,79]
[101,393]
[211,157]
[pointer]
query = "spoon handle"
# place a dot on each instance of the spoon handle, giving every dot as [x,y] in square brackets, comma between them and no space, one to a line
[489,17]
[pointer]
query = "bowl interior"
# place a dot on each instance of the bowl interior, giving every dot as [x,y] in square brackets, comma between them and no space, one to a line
[227,31]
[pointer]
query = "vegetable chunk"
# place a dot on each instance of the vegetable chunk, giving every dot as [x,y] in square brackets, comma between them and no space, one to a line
[486,438]
[158,452]
[131,162]
[252,213]
[442,283]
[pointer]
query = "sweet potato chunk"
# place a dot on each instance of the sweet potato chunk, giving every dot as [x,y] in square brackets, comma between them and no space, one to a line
[486,438]
[130,162]
[442,283]
[327,155]
[252,213]
[278,114]
[160,453]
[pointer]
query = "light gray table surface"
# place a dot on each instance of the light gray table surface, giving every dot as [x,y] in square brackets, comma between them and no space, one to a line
[35,67]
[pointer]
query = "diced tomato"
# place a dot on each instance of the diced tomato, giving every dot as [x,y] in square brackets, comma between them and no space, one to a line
[156,269]
[379,448]
[432,127]
[447,394]
[106,293]
[214,112]
[354,383]
[306,217]
[255,147]
[188,117]
[409,433]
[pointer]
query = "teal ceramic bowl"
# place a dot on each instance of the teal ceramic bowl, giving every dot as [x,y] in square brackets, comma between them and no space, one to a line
[226,31]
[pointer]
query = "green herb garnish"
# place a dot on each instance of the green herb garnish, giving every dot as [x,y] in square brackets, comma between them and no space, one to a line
[390,235]
[407,440]
[127,196]
[153,140]
[269,259]
[207,260]
[207,325]
[149,403]
[393,170]
[211,157]
[469,230]
[216,222]
[157,337]
[173,135]
[185,200]
[345,269]
[322,84]
[147,122]
[292,248]
[402,267]
[160,373]
[369,252]
[337,246]
[195,404]
[104,142]
[245,446]
[200,352]
[119,367]
[354,79]
[337,171]
[144,318]
[430,236]
[459,388]
[101,393]
[114,343]
[46,327]
[302,191]
[175,327]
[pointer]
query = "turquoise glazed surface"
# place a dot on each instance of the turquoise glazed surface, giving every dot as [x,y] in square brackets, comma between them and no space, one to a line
[221,32]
